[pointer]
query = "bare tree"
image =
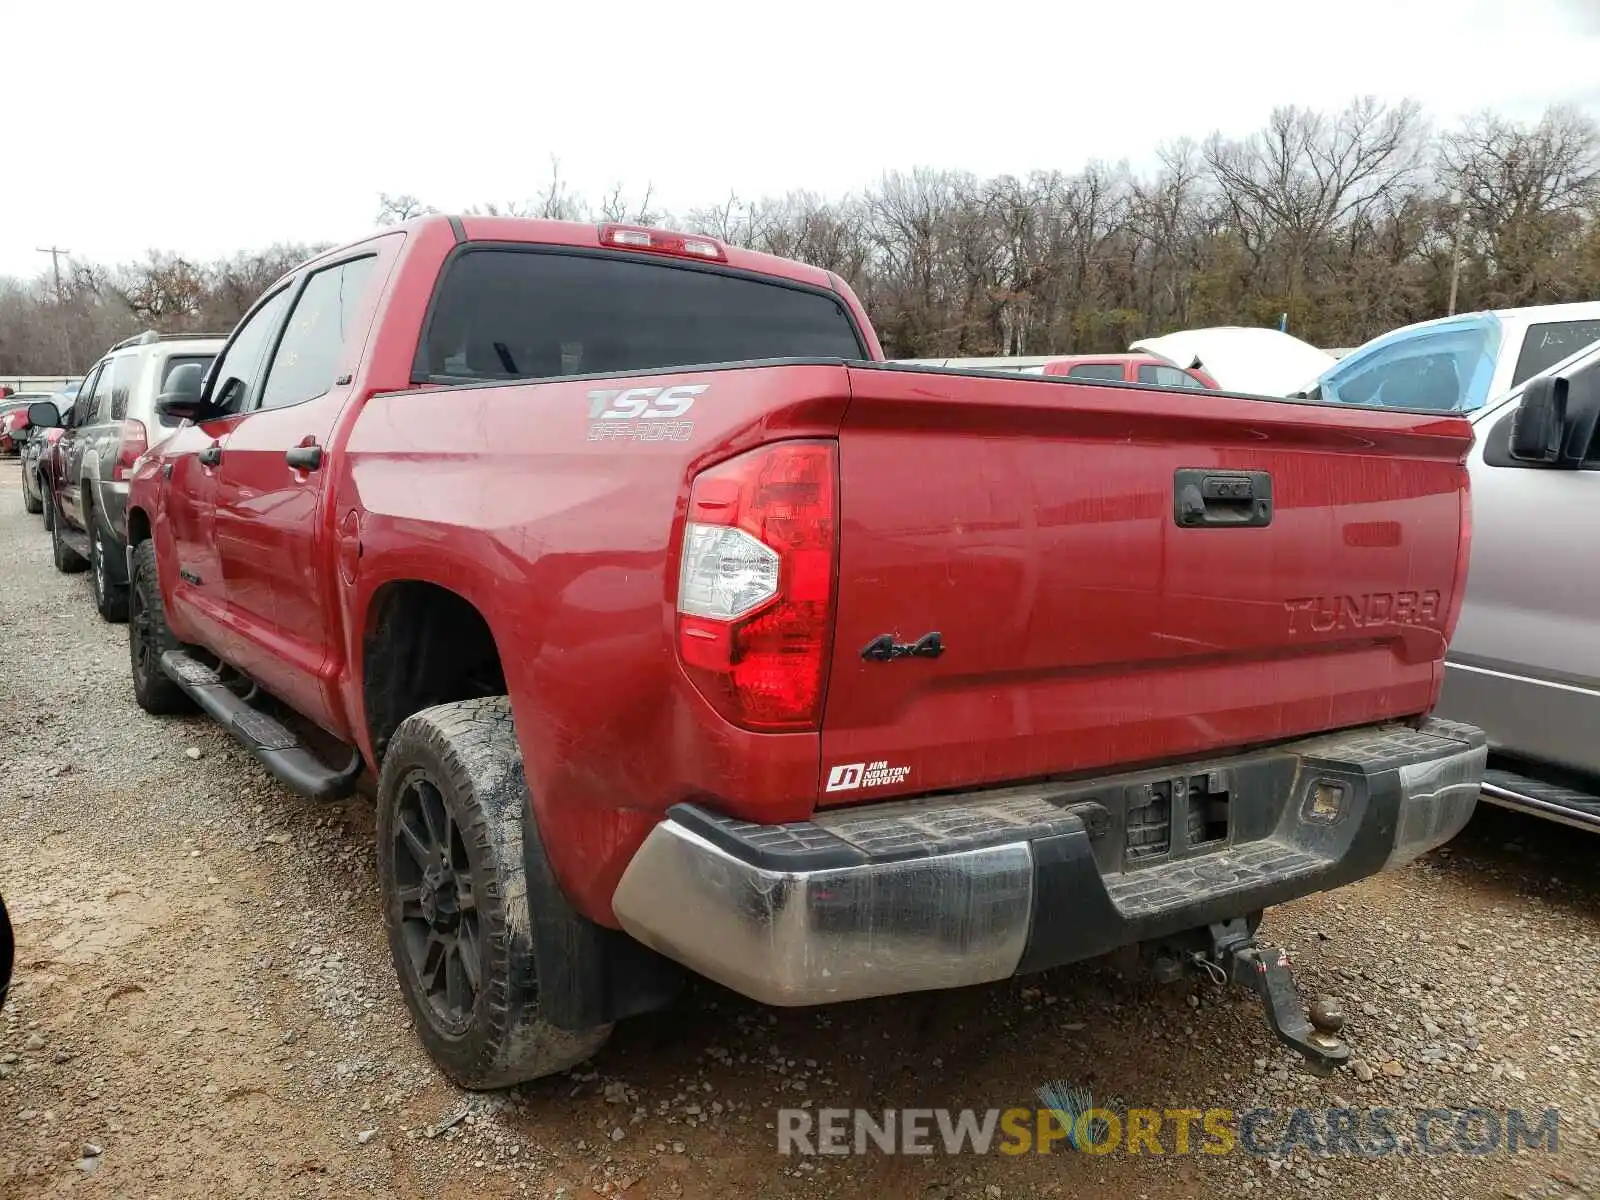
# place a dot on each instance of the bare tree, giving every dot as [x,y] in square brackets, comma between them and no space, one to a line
[394,209]
[1528,197]
[1288,186]
[1347,221]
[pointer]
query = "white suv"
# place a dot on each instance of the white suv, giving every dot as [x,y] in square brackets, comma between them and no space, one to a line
[112,423]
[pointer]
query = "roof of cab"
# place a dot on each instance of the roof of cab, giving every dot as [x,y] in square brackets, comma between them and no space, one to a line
[537,231]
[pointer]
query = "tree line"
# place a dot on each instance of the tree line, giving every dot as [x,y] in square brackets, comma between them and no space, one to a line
[1344,223]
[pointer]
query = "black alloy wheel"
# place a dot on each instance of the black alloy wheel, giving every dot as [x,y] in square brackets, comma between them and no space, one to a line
[438,910]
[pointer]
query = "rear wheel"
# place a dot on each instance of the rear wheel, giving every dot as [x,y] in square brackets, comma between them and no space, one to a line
[49,503]
[457,899]
[109,597]
[68,560]
[149,638]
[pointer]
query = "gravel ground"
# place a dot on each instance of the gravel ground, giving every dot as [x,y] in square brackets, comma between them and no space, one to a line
[204,1004]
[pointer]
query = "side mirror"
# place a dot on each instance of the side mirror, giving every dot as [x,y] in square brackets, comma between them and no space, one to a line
[172,409]
[1539,426]
[43,414]
[181,401]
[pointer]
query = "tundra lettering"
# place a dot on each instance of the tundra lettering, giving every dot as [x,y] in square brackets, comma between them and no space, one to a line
[1369,610]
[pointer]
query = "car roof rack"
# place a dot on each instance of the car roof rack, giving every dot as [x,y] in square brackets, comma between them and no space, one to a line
[150,337]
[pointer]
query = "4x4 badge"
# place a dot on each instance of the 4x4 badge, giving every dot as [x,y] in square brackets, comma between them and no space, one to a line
[884,648]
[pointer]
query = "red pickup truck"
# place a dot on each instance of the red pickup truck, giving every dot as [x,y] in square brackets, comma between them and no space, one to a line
[679,631]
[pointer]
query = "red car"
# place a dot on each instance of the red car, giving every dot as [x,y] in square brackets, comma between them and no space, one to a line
[682,634]
[14,418]
[1128,368]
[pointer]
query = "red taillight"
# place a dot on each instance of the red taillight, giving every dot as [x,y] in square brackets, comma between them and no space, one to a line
[756,584]
[134,443]
[658,241]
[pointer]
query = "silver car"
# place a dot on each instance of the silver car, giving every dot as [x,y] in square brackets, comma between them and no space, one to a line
[1525,661]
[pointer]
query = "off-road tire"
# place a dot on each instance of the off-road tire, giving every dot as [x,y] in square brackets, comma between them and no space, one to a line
[32,500]
[110,599]
[68,561]
[467,752]
[7,952]
[149,638]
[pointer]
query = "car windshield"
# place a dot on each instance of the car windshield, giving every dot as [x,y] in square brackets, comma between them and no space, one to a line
[1440,368]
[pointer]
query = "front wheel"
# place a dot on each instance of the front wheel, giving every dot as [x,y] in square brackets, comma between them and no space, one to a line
[149,638]
[110,598]
[456,897]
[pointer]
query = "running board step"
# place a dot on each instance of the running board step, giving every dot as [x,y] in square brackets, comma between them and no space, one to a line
[1549,800]
[272,742]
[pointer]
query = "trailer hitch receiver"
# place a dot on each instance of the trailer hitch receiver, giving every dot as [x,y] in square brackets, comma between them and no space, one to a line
[1235,957]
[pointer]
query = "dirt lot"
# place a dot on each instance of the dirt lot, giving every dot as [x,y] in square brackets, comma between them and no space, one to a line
[204,1004]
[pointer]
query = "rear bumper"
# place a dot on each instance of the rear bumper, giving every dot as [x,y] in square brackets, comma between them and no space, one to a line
[956,890]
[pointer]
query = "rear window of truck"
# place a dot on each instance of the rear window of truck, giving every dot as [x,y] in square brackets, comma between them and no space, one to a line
[502,313]
[1110,370]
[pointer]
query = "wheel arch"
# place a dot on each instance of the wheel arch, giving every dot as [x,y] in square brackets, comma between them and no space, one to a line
[139,527]
[422,644]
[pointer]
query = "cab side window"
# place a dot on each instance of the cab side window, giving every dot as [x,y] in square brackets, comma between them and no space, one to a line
[1112,370]
[322,324]
[237,372]
[1168,377]
[1583,405]
[1547,344]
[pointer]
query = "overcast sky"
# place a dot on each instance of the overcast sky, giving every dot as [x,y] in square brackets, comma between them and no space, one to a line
[208,127]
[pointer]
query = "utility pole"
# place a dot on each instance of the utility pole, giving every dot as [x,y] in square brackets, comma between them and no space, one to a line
[55,253]
[1455,253]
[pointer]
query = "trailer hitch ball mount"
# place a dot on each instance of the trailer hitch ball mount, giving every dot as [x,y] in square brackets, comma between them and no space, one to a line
[1236,957]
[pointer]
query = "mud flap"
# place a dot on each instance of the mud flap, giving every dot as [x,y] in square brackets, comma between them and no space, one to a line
[588,975]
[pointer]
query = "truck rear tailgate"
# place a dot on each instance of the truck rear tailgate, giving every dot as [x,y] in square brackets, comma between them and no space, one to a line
[1091,560]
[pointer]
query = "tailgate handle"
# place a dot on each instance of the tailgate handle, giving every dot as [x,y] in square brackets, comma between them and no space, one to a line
[1204,498]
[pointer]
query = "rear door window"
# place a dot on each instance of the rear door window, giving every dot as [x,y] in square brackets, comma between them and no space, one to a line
[1543,346]
[516,314]
[1110,370]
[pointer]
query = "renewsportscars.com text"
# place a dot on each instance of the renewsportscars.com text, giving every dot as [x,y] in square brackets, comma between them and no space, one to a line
[1363,1133]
